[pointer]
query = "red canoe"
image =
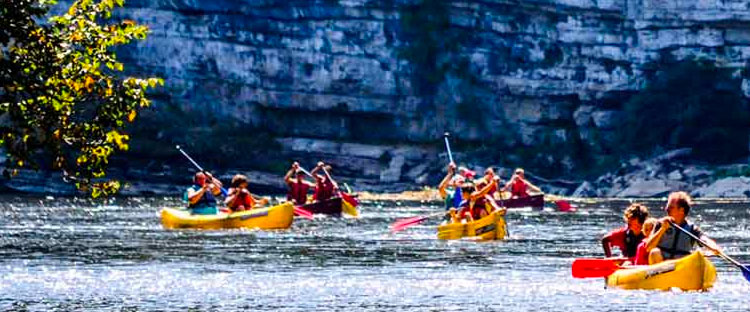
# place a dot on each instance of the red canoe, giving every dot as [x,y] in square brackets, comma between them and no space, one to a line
[329,207]
[535,201]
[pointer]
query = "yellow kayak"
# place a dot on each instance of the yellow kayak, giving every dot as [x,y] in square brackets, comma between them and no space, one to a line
[276,217]
[693,272]
[490,227]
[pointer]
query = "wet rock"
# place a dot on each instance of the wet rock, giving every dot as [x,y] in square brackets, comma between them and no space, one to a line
[586,189]
[727,187]
[649,188]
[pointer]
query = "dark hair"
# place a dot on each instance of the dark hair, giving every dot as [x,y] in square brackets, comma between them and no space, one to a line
[238,179]
[467,187]
[638,211]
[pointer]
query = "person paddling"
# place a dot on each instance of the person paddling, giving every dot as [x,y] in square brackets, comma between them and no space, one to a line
[325,188]
[669,243]
[450,189]
[473,205]
[240,198]
[518,185]
[201,196]
[489,175]
[298,186]
[628,237]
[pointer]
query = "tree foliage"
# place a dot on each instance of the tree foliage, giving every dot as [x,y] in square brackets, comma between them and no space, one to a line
[689,104]
[64,101]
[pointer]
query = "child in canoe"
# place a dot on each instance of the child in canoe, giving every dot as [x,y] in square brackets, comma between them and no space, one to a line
[239,198]
[641,254]
[628,237]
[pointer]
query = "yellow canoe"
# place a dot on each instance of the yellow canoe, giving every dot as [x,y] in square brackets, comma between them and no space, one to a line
[490,227]
[693,272]
[276,217]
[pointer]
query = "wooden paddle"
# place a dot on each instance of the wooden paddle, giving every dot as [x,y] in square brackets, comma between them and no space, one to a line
[743,268]
[587,267]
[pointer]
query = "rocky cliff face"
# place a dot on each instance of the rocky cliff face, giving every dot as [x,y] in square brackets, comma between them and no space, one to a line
[331,77]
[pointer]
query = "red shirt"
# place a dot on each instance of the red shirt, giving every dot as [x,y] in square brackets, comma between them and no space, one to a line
[518,188]
[242,199]
[298,192]
[323,190]
[641,255]
[625,240]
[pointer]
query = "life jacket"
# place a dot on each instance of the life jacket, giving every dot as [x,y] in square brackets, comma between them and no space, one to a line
[631,243]
[675,244]
[298,192]
[518,188]
[323,190]
[450,195]
[207,200]
[243,199]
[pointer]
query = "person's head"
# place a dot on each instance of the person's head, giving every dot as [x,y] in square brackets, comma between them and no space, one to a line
[489,172]
[649,225]
[457,181]
[466,189]
[239,181]
[635,215]
[678,205]
[299,174]
[519,172]
[466,173]
[199,178]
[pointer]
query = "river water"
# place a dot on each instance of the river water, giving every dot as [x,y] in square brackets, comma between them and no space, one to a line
[73,254]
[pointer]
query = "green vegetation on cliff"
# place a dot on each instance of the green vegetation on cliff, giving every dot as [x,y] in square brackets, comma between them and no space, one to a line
[63,104]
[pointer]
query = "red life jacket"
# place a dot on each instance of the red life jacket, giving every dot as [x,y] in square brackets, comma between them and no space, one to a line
[298,192]
[323,190]
[243,199]
[518,188]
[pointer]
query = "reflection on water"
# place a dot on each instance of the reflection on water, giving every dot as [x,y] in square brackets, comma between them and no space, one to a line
[67,254]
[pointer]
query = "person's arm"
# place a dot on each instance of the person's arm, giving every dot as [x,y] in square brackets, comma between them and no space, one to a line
[444,184]
[483,191]
[195,195]
[655,237]
[260,201]
[710,243]
[288,176]
[510,182]
[607,246]
[231,198]
[532,186]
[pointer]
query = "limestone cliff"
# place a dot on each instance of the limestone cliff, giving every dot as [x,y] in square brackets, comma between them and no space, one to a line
[331,77]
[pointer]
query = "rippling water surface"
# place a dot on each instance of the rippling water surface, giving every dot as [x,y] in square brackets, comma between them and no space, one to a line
[71,254]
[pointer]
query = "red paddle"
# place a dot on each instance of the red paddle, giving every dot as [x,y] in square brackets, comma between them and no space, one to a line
[564,206]
[303,212]
[583,268]
[405,223]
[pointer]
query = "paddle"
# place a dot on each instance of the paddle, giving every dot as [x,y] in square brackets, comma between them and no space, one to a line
[349,202]
[402,224]
[197,166]
[744,269]
[407,222]
[586,268]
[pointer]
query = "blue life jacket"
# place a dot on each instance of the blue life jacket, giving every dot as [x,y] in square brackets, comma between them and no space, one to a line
[207,201]
[457,199]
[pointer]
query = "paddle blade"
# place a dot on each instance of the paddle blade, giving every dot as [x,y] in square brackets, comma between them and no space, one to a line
[564,206]
[584,268]
[745,272]
[299,211]
[349,199]
[405,223]
[346,207]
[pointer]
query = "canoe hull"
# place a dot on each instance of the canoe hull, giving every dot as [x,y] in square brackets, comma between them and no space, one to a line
[693,272]
[535,201]
[331,206]
[488,228]
[276,217]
